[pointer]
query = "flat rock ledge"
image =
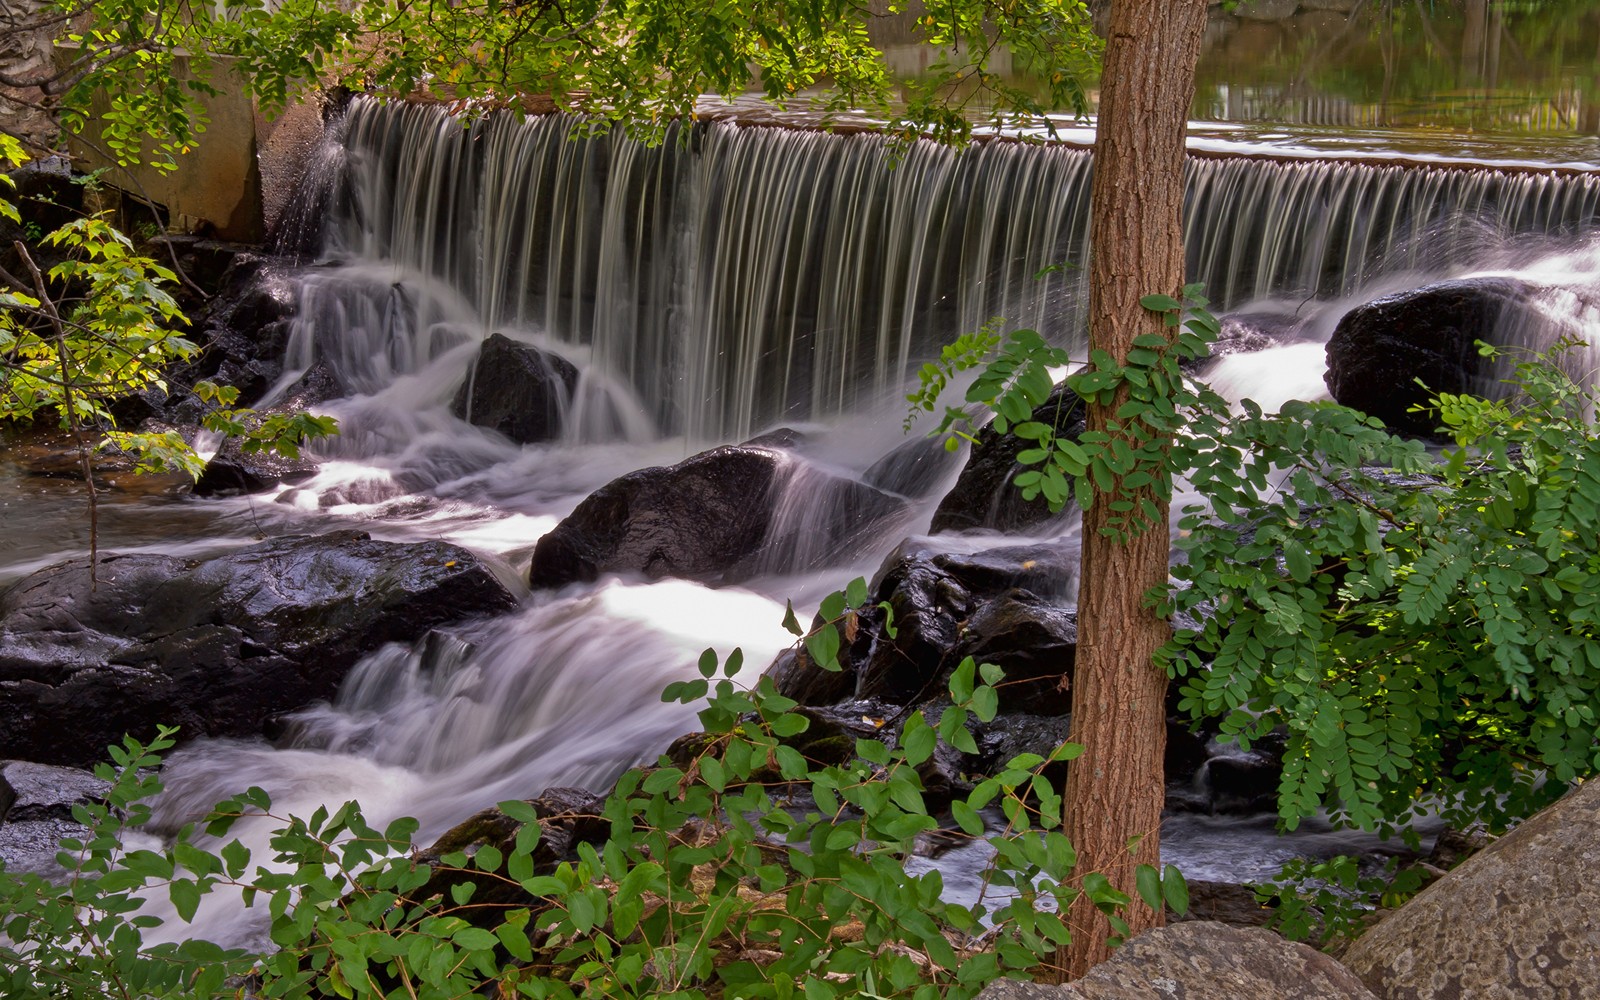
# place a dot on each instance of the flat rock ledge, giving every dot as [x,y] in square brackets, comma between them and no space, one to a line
[1516,920]
[217,645]
[1202,960]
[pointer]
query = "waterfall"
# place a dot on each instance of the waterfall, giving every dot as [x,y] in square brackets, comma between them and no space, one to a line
[729,280]
[736,277]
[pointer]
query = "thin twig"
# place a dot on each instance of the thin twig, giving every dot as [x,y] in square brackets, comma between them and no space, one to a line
[71,408]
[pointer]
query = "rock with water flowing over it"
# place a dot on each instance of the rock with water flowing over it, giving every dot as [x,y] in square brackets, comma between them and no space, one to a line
[1202,960]
[913,469]
[214,645]
[718,517]
[984,496]
[517,390]
[1001,606]
[1379,351]
[1517,919]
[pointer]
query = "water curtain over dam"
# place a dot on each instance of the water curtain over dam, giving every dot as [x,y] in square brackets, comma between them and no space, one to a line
[734,276]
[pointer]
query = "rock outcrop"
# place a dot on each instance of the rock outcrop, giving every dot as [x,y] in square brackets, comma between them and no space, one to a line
[1517,919]
[218,645]
[1201,960]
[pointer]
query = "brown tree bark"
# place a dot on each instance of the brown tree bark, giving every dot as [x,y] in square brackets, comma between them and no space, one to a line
[1114,791]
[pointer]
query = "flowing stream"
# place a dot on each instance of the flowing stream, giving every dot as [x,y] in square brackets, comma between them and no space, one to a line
[731,281]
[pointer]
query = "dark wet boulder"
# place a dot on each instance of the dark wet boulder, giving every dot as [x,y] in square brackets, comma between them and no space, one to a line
[517,390]
[718,517]
[984,495]
[1243,782]
[232,470]
[913,469]
[1000,605]
[215,645]
[1034,641]
[1381,350]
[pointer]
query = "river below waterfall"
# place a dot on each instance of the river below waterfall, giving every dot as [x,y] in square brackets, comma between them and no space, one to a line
[708,291]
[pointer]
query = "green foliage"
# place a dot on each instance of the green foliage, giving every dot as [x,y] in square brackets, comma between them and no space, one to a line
[1426,631]
[743,869]
[136,70]
[1127,461]
[1331,900]
[101,325]
[1430,642]
[114,340]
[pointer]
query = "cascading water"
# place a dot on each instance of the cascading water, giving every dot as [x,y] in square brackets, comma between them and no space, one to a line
[739,277]
[730,280]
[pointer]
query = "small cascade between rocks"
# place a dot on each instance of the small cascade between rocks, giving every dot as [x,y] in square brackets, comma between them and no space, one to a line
[736,282]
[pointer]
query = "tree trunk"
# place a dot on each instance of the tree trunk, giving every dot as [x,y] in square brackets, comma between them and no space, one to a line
[1114,791]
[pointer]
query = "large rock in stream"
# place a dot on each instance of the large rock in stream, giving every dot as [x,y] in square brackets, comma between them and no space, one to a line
[216,645]
[718,517]
[1516,920]
[517,390]
[1380,351]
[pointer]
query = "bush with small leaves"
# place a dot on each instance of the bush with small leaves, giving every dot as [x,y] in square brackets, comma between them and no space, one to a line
[747,870]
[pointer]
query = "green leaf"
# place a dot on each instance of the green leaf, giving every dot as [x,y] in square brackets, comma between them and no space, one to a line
[1148,882]
[823,645]
[475,939]
[185,895]
[985,703]
[855,593]
[1298,560]
[967,818]
[1175,890]
[918,739]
